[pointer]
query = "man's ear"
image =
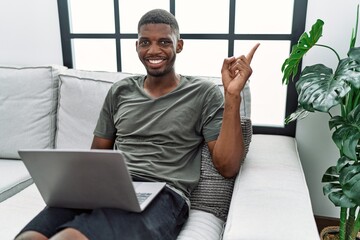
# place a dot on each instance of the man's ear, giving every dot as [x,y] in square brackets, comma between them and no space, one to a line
[179,46]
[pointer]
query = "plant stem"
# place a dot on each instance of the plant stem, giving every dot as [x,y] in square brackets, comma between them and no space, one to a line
[353,38]
[350,222]
[349,101]
[356,228]
[357,97]
[342,230]
[325,46]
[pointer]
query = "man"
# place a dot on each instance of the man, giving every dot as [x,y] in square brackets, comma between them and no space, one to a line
[159,121]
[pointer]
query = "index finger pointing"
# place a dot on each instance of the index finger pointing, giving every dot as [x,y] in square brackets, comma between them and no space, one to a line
[250,55]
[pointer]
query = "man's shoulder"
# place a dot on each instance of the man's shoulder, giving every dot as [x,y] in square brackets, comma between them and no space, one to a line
[128,81]
[207,82]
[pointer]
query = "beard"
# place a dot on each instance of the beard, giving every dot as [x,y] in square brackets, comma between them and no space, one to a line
[169,67]
[158,72]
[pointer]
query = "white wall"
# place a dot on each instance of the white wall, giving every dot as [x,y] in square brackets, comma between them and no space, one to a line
[29,32]
[317,151]
[30,35]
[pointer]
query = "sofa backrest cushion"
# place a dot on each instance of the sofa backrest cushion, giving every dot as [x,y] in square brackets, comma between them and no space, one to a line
[245,106]
[28,100]
[81,96]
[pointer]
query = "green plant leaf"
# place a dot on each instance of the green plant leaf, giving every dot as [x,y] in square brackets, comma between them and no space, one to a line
[350,72]
[331,175]
[343,162]
[330,187]
[300,113]
[350,181]
[333,189]
[347,133]
[339,199]
[306,41]
[336,121]
[319,89]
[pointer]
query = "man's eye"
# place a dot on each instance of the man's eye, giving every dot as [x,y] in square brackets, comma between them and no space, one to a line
[165,42]
[144,43]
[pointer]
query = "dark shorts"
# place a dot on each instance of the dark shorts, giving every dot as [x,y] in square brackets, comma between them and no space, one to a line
[162,219]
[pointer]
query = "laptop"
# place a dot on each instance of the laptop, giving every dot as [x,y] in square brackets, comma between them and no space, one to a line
[87,179]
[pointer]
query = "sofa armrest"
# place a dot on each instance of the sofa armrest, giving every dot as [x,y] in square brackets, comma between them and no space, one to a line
[271,198]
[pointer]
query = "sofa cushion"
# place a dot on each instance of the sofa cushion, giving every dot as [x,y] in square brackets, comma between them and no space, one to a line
[13,178]
[271,199]
[201,225]
[28,100]
[18,210]
[245,106]
[81,96]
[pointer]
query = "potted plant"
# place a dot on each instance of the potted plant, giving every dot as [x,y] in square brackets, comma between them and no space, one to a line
[320,89]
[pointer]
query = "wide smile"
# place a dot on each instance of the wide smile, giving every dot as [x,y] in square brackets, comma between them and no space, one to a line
[155,63]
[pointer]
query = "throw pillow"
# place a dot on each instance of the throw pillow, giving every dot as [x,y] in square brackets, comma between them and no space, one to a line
[81,96]
[28,100]
[213,193]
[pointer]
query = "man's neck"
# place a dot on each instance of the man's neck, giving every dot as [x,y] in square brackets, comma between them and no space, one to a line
[160,86]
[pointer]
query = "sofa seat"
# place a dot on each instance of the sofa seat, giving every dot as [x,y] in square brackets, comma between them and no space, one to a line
[13,178]
[17,211]
[270,200]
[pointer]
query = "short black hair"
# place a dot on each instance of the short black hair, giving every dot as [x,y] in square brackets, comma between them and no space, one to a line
[160,16]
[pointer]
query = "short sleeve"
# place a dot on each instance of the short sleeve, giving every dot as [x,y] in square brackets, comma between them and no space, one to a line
[105,127]
[212,113]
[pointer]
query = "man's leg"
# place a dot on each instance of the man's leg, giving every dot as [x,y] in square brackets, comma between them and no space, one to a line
[69,233]
[31,235]
[163,219]
[46,223]
[66,234]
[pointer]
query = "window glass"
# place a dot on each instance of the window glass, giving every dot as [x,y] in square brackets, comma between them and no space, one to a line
[94,54]
[131,12]
[264,16]
[268,95]
[202,57]
[203,16]
[205,26]
[91,16]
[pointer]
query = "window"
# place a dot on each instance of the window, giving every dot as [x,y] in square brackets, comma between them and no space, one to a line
[101,35]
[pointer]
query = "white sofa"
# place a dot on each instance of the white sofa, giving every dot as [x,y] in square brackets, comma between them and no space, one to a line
[56,107]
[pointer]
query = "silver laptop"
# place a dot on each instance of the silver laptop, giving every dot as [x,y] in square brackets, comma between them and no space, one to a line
[87,179]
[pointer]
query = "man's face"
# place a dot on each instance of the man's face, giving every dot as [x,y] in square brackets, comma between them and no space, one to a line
[157,46]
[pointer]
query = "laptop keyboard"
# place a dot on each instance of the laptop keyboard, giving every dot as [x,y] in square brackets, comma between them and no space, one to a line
[142,196]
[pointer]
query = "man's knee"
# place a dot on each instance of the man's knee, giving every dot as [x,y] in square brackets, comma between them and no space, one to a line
[69,234]
[31,235]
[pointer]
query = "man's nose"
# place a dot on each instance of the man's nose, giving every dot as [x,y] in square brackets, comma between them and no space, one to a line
[153,48]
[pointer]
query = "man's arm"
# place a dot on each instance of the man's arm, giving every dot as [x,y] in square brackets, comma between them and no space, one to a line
[102,143]
[228,150]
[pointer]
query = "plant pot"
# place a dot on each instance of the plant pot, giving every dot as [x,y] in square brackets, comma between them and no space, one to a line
[332,233]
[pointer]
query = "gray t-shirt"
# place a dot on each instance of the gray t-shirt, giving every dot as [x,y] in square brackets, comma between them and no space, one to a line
[161,137]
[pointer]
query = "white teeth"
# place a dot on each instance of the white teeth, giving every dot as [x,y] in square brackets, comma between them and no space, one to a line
[155,61]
